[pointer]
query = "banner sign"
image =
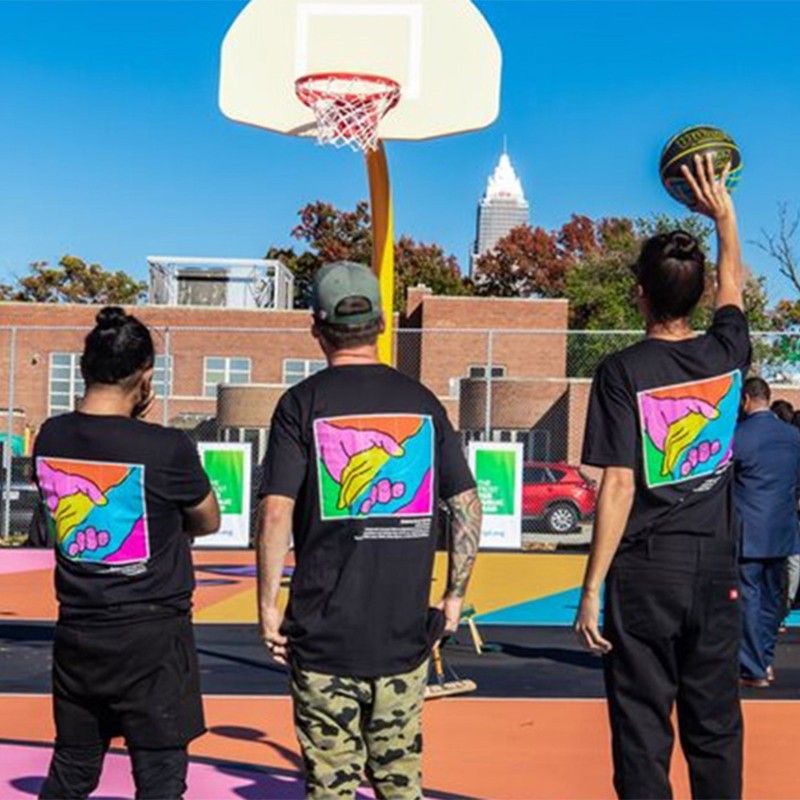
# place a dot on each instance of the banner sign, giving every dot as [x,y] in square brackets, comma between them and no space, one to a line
[497,467]
[228,467]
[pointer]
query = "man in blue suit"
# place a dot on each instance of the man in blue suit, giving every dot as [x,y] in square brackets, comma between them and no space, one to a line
[767,485]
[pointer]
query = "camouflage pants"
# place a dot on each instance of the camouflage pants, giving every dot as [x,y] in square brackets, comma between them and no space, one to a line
[349,726]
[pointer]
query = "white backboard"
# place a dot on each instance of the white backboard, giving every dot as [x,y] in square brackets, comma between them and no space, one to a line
[442,52]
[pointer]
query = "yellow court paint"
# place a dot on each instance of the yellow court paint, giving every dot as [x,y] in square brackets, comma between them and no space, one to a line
[508,579]
[382,243]
[500,580]
[240,609]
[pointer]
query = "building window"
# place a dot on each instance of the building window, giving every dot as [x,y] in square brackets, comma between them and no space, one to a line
[479,371]
[296,370]
[162,376]
[224,370]
[66,382]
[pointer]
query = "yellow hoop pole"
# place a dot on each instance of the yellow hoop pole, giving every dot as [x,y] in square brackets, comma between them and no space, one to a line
[382,243]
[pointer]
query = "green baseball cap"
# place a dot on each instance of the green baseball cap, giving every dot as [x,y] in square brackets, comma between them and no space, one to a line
[336,284]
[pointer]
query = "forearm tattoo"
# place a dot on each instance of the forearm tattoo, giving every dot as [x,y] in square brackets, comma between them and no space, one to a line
[466,513]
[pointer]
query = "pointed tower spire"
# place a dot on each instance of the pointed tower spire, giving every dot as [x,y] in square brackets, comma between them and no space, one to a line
[502,207]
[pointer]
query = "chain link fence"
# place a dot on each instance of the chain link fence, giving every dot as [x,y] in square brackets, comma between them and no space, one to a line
[222,384]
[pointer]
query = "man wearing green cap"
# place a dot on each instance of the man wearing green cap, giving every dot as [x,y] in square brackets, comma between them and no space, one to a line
[359,456]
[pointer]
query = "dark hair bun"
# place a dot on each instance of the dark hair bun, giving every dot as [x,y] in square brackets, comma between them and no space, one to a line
[118,347]
[681,245]
[111,317]
[671,272]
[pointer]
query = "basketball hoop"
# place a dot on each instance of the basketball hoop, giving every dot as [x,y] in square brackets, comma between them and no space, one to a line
[348,106]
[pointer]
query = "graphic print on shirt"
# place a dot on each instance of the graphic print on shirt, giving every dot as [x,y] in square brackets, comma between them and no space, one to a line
[96,510]
[375,466]
[687,428]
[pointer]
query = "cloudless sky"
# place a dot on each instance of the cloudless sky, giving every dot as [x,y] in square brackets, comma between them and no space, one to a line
[112,146]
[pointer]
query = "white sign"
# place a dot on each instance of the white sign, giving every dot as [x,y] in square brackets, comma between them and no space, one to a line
[229,468]
[497,468]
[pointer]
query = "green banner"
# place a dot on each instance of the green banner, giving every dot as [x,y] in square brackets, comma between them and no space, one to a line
[495,472]
[225,470]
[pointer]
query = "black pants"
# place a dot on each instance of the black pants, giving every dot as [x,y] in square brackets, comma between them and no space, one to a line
[673,617]
[75,772]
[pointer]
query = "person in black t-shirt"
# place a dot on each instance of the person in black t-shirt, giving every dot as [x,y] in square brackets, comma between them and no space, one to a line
[660,424]
[122,499]
[358,458]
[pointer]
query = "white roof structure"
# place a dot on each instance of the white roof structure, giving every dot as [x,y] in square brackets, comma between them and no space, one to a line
[220,282]
[504,182]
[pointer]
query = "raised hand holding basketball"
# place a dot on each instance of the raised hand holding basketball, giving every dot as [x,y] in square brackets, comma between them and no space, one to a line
[712,198]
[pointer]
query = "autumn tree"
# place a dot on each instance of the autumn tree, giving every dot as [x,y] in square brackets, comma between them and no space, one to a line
[418,263]
[533,262]
[528,262]
[336,235]
[331,234]
[74,281]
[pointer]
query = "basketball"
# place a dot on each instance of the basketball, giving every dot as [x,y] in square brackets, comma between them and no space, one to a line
[690,142]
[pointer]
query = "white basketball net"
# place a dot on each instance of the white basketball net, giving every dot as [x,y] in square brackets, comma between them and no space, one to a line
[348,108]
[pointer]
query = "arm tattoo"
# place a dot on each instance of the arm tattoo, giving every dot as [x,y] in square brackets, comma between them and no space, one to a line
[465,538]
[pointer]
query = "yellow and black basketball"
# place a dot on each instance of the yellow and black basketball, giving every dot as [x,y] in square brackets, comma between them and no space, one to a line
[684,146]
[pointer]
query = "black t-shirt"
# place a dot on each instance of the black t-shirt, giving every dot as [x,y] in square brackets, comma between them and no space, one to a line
[113,489]
[668,410]
[366,452]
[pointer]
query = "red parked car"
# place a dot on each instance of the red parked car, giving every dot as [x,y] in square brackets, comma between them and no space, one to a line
[558,496]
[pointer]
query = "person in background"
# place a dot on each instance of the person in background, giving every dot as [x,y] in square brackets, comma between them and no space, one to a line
[767,482]
[358,458]
[783,410]
[793,562]
[660,424]
[123,498]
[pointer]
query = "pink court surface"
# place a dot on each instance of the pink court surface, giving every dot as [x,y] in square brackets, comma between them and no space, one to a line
[510,741]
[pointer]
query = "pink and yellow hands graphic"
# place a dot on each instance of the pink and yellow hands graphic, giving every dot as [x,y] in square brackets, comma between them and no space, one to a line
[90,539]
[673,424]
[354,458]
[70,498]
[58,485]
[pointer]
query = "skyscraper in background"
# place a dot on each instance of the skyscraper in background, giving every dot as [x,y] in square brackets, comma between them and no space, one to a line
[502,207]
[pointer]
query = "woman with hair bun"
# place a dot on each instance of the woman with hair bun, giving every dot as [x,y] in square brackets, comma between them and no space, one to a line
[123,498]
[660,425]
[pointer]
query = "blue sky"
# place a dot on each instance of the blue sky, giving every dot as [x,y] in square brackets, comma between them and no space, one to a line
[112,146]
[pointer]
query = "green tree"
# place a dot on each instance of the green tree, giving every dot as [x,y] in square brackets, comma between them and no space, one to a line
[601,291]
[75,281]
[302,266]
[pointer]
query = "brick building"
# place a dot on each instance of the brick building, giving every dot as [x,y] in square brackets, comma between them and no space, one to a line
[220,371]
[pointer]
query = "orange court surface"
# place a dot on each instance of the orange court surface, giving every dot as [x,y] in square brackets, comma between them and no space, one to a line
[536,728]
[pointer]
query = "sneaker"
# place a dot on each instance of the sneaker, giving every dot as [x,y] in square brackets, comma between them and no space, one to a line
[771,674]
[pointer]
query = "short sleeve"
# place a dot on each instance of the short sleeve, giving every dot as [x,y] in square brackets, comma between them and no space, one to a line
[611,430]
[455,476]
[286,461]
[729,327]
[187,482]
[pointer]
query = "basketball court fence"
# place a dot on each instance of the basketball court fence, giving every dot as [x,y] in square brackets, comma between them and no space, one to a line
[221,384]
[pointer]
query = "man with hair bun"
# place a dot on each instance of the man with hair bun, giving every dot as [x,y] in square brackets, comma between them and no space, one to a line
[660,425]
[122,498]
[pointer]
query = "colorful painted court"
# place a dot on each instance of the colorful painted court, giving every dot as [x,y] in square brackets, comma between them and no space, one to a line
[536,728]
